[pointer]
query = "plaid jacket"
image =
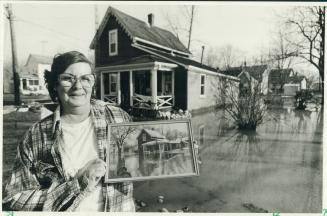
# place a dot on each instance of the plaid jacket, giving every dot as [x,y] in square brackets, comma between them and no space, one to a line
[38,181]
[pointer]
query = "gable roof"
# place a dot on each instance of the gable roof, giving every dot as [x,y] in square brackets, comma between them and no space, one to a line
[296,79]
[138,29]
[279,76]
[254,71]
[154,134]
[39,59]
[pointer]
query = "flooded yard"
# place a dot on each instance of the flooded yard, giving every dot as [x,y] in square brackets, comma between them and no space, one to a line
[278,168]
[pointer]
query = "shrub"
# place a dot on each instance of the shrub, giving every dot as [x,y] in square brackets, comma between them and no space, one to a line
[247,109]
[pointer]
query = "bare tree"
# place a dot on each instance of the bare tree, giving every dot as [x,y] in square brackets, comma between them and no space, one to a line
[245,108]
[176,23]
[119,136]
[281,53]
[306,33]
[230,56]
[211,57]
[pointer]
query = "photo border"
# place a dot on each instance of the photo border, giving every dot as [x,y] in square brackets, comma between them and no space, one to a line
[132,179]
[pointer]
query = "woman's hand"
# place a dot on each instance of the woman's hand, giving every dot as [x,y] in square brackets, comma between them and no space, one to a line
[93,171]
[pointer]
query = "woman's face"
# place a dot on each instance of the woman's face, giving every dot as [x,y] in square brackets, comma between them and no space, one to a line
[75,86]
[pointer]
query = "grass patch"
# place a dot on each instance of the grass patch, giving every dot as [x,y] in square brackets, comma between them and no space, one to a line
[15,125]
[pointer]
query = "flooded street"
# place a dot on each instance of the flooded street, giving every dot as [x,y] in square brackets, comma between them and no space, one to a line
[278,168]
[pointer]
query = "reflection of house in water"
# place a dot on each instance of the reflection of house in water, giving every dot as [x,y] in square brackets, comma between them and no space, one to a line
[155,149]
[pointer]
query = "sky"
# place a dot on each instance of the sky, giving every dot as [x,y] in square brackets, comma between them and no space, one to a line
[50,28]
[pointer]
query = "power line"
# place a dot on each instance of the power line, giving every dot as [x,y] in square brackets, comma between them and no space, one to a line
[51,30]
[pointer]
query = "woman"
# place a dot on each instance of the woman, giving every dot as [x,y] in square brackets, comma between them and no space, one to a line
[60,161]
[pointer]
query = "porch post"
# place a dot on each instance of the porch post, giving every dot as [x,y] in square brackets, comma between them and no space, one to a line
[154,87]
[101,86]
[118,89]
[21,84]
[173,86]
[131,90]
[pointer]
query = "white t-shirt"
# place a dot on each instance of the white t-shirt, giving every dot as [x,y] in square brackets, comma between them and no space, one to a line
[77,147]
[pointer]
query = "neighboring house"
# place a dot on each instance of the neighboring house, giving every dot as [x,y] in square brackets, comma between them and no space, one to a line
[142,66]
[32,77]
[286,82]
[250,76]
[278,78]
[294,84]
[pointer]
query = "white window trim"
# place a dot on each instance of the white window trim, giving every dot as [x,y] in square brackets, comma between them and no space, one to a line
[116,39]
[204,85]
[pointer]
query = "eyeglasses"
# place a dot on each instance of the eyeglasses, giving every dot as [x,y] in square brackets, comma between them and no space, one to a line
[67,80]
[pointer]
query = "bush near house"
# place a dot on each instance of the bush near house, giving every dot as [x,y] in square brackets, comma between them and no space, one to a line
[247,110]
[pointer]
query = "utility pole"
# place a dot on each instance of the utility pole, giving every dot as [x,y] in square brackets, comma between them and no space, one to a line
[14,55]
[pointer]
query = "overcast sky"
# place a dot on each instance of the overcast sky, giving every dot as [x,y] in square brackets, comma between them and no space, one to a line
[51,28]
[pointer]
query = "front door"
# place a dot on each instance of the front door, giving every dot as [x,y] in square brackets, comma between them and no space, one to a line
[125,92]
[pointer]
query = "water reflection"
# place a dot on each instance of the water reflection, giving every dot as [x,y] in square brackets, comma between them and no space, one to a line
[277,168]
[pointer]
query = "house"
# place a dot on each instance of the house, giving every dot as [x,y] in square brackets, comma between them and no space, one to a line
[142,66]
[153,148]
[286,82]
[294,84]
[277,79]
[250,76]
[32,77]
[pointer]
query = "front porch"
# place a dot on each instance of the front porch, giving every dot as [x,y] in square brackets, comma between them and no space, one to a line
[147,86]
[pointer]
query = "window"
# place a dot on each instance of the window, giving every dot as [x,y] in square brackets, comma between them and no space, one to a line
[105,77]
[201,133]
[113,42]
[143,137]
[202,85]
[168,83]
[113,83]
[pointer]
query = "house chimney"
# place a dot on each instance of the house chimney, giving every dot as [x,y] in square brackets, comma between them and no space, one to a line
[151,19]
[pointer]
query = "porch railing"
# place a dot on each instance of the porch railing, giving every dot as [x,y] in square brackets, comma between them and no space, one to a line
[145,102]
[111,99]
[142,101]
[165,101]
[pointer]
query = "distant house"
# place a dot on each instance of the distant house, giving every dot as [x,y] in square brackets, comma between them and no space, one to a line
[142,66]
[278,78]
[250,76]
[32,77]
[286,82]
[294,84]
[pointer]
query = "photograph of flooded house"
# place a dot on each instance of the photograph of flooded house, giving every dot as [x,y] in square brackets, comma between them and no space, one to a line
[141,151]
[249,78]
[154,146]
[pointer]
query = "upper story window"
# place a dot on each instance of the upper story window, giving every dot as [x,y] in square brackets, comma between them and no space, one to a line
[144,137]
[113,42]
[202,85]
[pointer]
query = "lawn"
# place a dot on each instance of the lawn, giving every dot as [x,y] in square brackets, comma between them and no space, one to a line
[15,124]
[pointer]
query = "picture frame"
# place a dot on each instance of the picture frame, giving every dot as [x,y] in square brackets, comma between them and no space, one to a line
[138,151]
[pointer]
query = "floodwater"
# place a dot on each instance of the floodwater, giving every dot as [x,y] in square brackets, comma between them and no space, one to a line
[278,168]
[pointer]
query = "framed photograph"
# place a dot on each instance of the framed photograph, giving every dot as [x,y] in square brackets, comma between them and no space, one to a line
[150,150]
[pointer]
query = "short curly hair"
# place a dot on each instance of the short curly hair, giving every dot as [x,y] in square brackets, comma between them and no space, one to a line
[60,63]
